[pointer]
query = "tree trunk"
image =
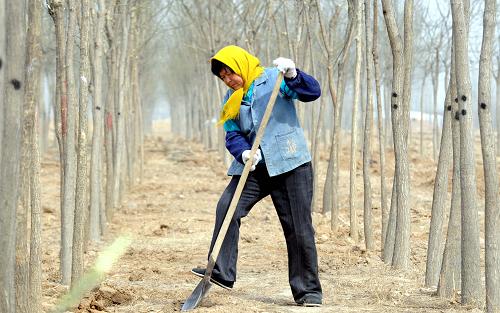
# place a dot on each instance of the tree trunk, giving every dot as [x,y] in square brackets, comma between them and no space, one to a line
[400,122]
[381,130]
[98,124]
[68,200]
[25,271]
[422,89]
[389,239]
[491,207]
[35,274]
[330,192]
[81,204]
[435,242]
[11,143]
[435,87]
[354,132]
[471,278]
[109,138]
[2,63]
[497,99]
[450,274]
[120,112]
[56,11]
[368,229]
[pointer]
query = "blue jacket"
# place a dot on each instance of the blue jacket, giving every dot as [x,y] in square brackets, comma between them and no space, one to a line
[283,145]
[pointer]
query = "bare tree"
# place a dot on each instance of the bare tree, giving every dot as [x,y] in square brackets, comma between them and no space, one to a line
[491,207]
[435,244]
[450,273]
[28,275]
[97,216]
[119,145]
[368,228]
[330,193]
[10,159]
[471,278]
[380,124]
[497,98]
[354,132]
[402,63]
[81,197]
[2,59]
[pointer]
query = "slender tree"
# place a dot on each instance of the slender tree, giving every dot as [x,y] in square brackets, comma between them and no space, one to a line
[491,207]
[368,228]
[2,60]
[402,63]
[28,275]
[354,130]
[14,77]
[97,216]
[471,278]
[450,273]
[380,126]
[435,242]
[81,196]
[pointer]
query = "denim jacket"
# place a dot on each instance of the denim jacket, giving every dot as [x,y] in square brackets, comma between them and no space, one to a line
[283,145]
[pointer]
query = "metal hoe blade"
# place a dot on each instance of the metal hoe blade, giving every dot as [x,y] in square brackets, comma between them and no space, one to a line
[198,294]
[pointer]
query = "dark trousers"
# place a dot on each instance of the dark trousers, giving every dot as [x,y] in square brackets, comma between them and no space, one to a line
[291,194]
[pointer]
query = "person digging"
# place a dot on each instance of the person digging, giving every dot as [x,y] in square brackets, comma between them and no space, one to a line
[280,167]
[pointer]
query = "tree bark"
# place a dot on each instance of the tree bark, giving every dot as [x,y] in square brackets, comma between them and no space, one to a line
[497,99]
[68,200]
[81,204]
[450,274]
[2,63]
[381,130]
[353,232]
[471,278]
[14,89]
[491,199]
[96,176]
[390,237]
[35,262]
[435,242]
[120,112]
[435,88]
[28,275]
[422,89]
[400,122]
[368,228]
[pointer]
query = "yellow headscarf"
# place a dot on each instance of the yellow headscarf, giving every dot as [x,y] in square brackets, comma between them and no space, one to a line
[245,65]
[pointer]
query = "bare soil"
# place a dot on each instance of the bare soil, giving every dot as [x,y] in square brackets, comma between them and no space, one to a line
[170,215]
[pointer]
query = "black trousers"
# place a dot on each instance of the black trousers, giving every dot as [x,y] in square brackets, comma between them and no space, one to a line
[291,194]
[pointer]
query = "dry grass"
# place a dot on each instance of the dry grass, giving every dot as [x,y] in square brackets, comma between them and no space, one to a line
[170,214]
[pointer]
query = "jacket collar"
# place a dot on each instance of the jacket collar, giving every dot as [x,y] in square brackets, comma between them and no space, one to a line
[262,78]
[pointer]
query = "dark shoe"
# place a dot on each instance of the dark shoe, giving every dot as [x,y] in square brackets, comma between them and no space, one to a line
[310,300]
[200,272]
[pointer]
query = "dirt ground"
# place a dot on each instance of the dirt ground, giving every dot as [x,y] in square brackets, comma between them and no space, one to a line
[170,217]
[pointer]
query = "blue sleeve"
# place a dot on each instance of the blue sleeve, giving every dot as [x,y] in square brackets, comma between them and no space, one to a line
[236,143]
[303,87]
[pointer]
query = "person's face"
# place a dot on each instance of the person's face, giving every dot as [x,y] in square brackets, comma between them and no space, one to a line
[232,80]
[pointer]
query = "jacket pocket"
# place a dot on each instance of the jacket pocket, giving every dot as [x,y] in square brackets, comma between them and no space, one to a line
[288,145]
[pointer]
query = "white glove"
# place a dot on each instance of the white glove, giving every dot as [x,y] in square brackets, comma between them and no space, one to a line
[256,158]
[286,66]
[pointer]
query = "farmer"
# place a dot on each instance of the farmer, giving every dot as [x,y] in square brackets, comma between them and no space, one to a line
[281,167]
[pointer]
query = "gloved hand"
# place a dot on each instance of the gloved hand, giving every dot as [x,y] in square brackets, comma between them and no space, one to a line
[286,66]
[256,158]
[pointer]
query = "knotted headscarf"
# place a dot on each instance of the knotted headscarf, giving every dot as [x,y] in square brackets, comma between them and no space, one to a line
[245,65]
